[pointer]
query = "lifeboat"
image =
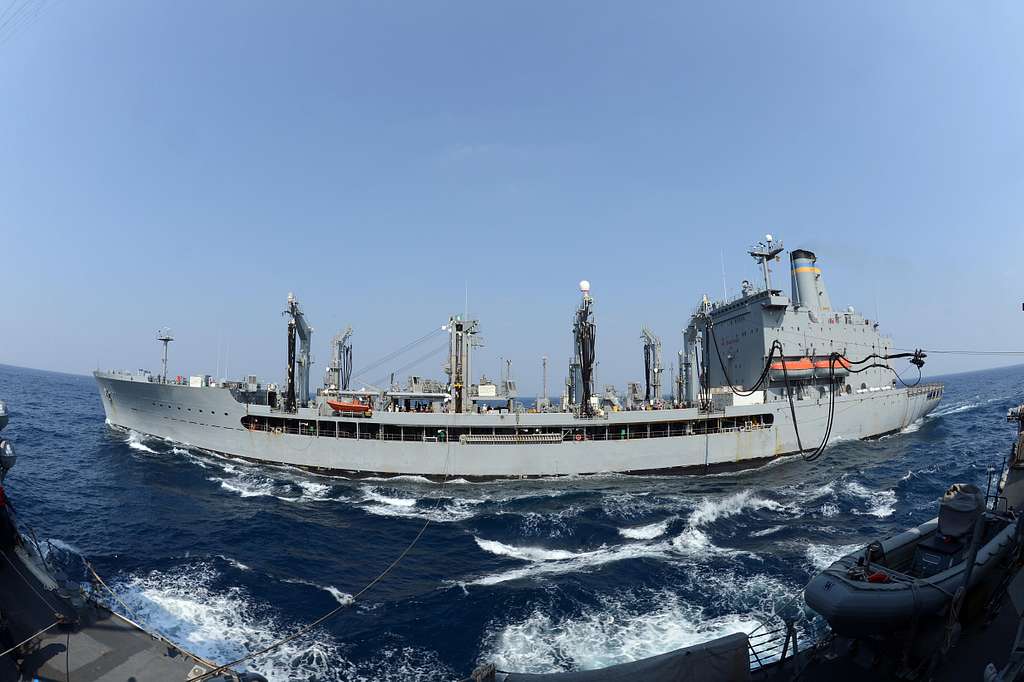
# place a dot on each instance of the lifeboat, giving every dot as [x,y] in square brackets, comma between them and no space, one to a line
[801,368]
[840,367]
[351,408]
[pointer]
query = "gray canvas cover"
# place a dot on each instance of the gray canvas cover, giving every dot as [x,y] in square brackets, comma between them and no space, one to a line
[720,660]
[959,508]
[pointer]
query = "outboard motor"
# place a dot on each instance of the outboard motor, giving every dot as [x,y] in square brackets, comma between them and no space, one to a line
[7,458]
[959,509]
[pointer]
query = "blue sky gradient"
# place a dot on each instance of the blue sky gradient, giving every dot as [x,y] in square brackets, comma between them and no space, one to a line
[188,164]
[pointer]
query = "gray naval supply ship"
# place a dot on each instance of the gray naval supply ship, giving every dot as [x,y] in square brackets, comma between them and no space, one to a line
[761,375]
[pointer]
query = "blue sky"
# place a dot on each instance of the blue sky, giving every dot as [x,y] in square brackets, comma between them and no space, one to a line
[188,164]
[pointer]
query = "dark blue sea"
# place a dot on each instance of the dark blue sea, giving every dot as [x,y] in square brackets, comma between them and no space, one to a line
[223,557]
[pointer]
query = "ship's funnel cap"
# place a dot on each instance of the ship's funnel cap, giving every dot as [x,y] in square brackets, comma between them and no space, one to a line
[808,286]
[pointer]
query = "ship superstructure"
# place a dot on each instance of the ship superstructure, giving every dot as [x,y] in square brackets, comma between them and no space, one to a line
[760,375]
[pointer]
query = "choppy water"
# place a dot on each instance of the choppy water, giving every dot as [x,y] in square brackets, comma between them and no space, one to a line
[545,575]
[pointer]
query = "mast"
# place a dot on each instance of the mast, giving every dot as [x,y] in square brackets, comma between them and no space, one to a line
[584,332]
[763,252]
[164,336]
[462,337]
[544,380]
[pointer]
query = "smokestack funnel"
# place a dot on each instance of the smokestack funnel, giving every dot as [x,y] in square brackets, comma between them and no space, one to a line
[808,286]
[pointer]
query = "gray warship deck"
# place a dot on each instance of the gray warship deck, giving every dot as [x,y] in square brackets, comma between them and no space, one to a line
[96,645]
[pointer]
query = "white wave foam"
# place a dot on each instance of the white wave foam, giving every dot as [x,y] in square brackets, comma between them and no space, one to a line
[771,530]
[554,525]
[247,486]
[314,490]
[343,598]
[912,427]
[648,532]
[880,503]
[234,562]
[525,553]
[226,624]
[829,509]
[618,630]
[965,406]
[375,496]
[135,442]
[627,505]
[554,562]
[692,541]
[823,556]
[710,510]
[379,504]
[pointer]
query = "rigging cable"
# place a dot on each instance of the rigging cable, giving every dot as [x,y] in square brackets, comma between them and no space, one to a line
[31,637]
[394,354]
[409,365]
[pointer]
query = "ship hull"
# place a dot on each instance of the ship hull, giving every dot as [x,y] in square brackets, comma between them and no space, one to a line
[388,444]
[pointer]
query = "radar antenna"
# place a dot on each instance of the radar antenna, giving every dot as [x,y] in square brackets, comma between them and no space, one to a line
[164,336]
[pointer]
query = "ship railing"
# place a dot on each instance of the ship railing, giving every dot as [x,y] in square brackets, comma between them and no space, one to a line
[480,435]
[773,641]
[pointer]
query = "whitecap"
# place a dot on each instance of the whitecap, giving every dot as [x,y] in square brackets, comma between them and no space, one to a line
[617,630]
[223,625]
[524,553]
[829,509]
[343,598]
[375,496]
[709,510]
[544,562]
[314,490]
[648,532]
[880,503]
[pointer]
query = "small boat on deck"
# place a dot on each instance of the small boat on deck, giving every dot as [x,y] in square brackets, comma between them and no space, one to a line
[791,368]
[918,572]
[346,407]
[825,367]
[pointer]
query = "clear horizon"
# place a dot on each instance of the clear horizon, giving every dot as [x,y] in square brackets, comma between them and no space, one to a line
[378,160]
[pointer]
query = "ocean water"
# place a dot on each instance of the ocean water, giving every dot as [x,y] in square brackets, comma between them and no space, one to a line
[223,556]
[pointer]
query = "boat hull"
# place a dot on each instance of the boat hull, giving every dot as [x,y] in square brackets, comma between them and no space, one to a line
[857,608]
[209,418]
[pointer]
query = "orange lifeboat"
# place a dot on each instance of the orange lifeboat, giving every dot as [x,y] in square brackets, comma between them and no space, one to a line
[823,367]
[801,368]
[351,408]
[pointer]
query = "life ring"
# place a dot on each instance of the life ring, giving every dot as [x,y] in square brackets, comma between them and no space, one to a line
[578,437]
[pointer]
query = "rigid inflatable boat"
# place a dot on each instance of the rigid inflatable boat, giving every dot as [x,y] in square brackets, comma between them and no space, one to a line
[917,573]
